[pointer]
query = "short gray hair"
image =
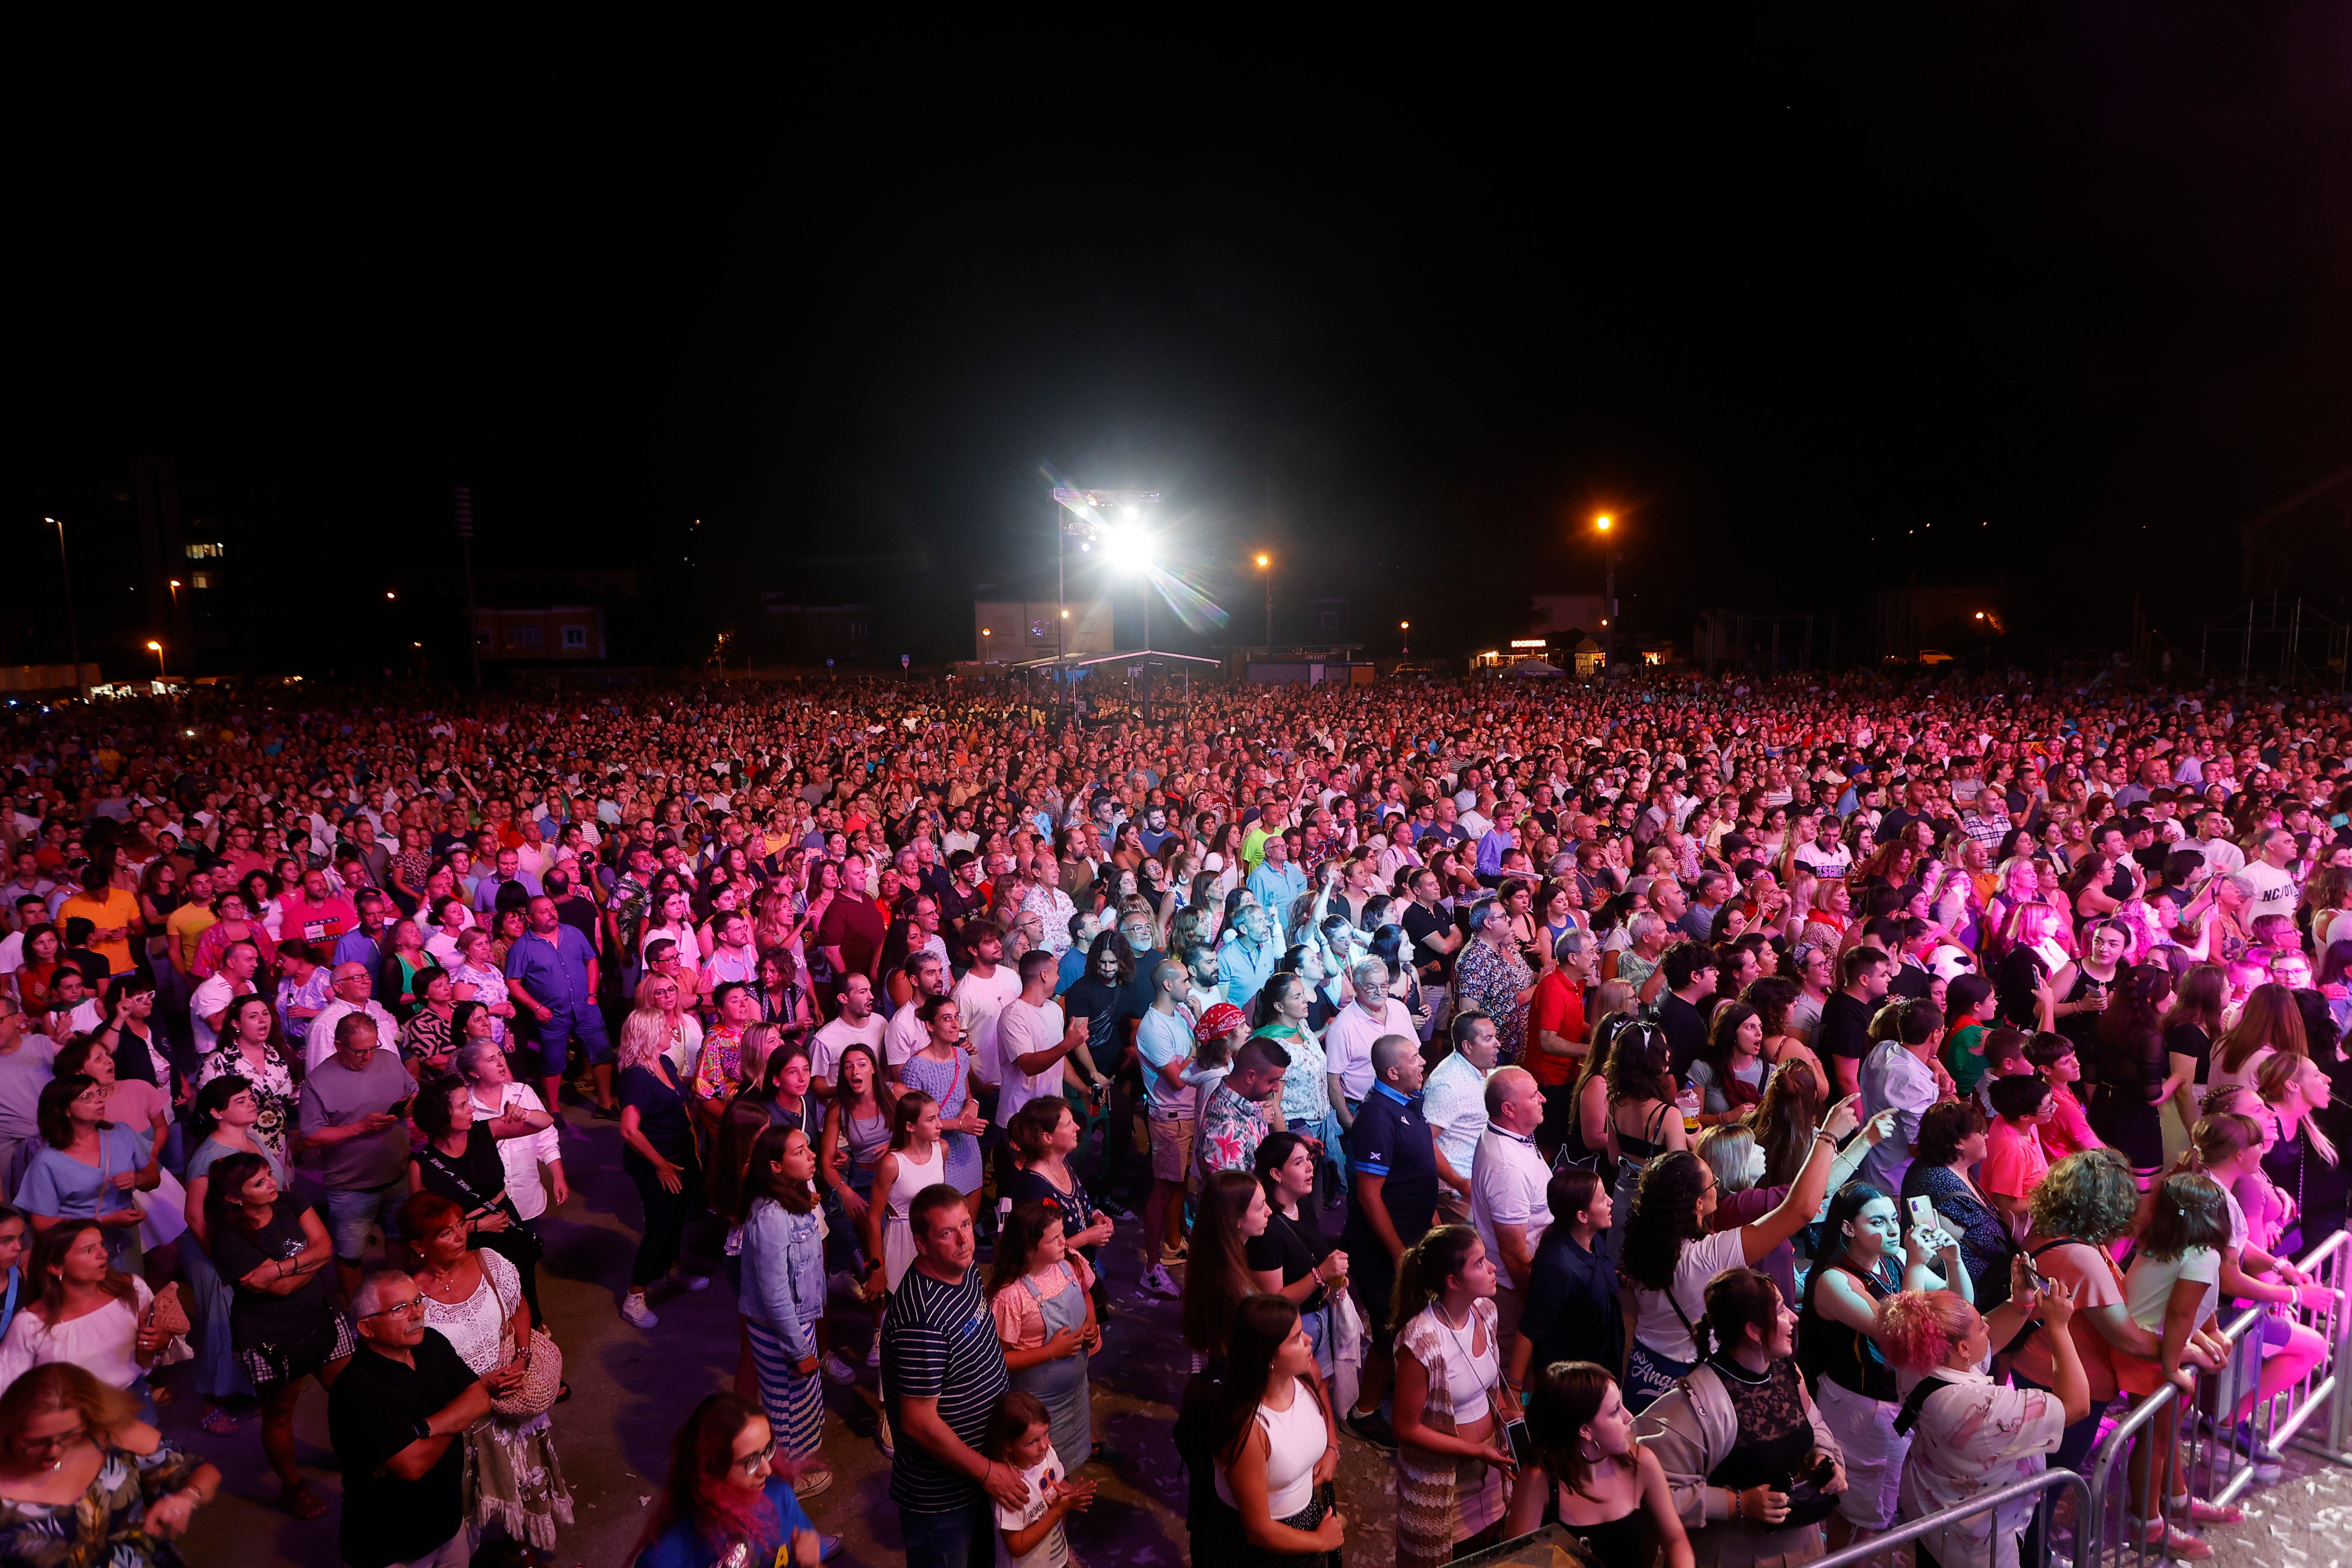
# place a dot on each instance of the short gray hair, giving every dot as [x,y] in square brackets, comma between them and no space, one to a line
[473,1053]
[1371,974]
[1644,922]
[368,1300]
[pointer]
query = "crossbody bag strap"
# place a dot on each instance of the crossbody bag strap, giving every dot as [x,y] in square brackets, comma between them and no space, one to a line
[1915,1401]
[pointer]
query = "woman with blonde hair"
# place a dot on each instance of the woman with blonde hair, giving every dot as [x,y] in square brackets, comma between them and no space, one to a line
[657,1154]
[82,1479]
[2303,1161]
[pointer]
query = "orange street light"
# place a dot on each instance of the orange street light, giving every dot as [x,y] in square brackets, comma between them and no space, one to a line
[157,649]
[1265,564]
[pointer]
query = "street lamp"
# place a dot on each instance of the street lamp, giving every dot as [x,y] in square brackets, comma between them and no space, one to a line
[1265,564]
[157,649]
[73,630]
[1404,649]
[1603,525]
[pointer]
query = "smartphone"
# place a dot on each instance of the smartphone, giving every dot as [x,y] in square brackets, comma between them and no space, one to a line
[400,1107]
[1522,1446]
[1922,1213]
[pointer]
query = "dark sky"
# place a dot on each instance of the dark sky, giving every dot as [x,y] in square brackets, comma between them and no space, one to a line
[1782,294]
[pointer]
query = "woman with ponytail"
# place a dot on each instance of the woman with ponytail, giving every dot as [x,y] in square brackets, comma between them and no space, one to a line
[2304,1161]
[1973,1436]
[1736,1434]
[1450,1400]
[1276,1449]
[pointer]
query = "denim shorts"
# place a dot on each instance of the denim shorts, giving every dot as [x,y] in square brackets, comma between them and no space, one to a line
[351,1216]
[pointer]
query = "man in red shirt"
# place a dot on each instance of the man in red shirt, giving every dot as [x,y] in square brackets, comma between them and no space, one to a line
[1556,1033]
[316,914]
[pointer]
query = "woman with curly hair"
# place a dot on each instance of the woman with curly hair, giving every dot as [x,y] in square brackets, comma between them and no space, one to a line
[1669,1255]
[1971,1436]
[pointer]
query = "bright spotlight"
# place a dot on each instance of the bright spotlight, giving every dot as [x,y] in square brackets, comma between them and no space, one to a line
[1130,549]
[1604,522]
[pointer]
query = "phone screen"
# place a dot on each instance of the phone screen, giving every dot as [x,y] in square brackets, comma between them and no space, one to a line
[1523,1448]
[1922,1213]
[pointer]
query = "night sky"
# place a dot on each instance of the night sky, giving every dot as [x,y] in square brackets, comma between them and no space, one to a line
[1782,295]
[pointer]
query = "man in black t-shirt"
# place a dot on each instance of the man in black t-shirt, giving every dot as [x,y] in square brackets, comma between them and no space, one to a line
[1842,1037]
[397,1417]
[942,1373]
[1435,939]
[1691,970]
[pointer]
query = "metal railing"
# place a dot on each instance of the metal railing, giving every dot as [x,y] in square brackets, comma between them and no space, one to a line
[1873,1550]
[2218,1462]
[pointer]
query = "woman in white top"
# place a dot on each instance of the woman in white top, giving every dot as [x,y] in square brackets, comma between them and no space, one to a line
[916,1159]
[1669,1255]
[499,1099]
[677,923]
[1276,1447]
[81,1310]
[1975,1436]
[1450,1400]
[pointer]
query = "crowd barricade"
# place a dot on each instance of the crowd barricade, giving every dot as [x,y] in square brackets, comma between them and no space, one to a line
[2045,1487]
[2217,1464]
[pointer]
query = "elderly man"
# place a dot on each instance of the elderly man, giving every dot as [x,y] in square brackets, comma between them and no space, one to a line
[354,985]
[1277,883]
[1508,1206]
[551,975]
[397,1417]
[942,1374]
[1246,960]
[1348,1041]
[351,1104]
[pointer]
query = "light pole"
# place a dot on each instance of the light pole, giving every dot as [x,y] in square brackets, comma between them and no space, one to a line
[1090,530]
[157,649]
[1265,564]
[73,630]
[1405,642]
[1603,524]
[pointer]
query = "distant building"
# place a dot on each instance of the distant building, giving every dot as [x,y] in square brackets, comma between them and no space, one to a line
[556,633]
[809,633]
[1007,631]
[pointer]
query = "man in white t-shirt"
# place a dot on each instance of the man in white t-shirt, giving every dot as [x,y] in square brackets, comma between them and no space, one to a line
[906,1033]
[1508,1206]
[208,1008]
[2269,885]
[857,1024]
[981,995]
[1033,1042]
[1453,1103]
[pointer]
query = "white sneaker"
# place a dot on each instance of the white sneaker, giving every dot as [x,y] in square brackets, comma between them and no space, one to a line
[635,1310]
[873,1351]
[1157,1282]
[691,1282]
[838,1371]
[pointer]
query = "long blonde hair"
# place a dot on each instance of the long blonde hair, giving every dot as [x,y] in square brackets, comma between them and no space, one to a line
[645,1035]
[2274,1078]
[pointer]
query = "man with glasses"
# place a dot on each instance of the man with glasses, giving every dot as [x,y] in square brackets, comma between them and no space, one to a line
[397,1417]
[351,1107]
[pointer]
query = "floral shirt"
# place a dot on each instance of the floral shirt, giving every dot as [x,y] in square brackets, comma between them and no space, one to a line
[489,989]
[1305,1096]
[1230,1129]
[718,1070]
[1491,981]
[1975,1437]
[274,1093]
[106,1525]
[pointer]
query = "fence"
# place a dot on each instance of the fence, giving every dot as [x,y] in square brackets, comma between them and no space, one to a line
[1875,1550]
[2217,1461]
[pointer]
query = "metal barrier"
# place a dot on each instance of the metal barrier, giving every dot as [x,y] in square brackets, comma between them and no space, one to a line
[1873,1550]
[2217,1461]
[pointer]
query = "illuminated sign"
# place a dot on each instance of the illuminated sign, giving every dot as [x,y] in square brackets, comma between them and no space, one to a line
[1530,642]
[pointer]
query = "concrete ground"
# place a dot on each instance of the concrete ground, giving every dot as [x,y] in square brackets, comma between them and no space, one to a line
[631,1389]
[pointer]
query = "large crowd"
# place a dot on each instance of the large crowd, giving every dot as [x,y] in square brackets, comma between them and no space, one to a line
[1722,1118]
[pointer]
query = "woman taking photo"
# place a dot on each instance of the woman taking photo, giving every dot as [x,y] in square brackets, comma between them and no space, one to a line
[1233,1212]
[1950,1142]
[1735,1432]
[83,1479]
[1669,1255]
[1292,1257]
[283,1321]
[253,1049]
[1590,1477]
[1450,1400]
[1972,1435]
[1275,1448]
[224,1122]
[723,1505]
[89,1168]
[657,1154]
[474,1300]
[1861,1265]
[459,1160]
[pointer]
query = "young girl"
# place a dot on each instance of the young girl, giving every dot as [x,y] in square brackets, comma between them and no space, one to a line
[914,1161]
[1021,1435]
[2171,1290]
[1970,1008]
[1593,1479]
[1040,1294]
[2067,1131]
[784,1296]
[1450,1400]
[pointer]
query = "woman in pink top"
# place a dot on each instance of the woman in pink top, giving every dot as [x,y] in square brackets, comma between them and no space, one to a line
[2014,1162]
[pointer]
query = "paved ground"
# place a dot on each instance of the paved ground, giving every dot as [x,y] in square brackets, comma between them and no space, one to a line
[631,1389]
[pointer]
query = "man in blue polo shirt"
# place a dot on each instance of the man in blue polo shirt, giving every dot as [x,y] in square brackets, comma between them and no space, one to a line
[1392,1200]
[551,975]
